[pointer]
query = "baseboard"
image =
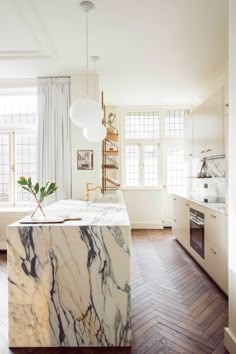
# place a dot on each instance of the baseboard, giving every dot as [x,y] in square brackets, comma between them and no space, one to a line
[230,341]
[144,225]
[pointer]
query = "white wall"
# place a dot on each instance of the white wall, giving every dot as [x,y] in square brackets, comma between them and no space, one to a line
[78,142]
[146,208]
[230,333]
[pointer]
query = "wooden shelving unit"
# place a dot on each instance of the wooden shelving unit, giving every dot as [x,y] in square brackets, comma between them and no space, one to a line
[109,151]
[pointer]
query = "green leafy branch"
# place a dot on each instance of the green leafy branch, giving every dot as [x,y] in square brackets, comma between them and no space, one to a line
[39,193]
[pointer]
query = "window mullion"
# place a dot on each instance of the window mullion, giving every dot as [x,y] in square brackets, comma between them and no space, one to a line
[11,169]
[141,165]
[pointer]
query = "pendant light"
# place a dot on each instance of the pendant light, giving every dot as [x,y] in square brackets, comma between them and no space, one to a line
[95,134]
[99,133]
[86,112]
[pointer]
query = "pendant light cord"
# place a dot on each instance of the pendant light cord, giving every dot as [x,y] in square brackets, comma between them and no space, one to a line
[87,63]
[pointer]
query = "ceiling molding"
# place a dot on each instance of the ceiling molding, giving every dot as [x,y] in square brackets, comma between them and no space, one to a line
[31,20]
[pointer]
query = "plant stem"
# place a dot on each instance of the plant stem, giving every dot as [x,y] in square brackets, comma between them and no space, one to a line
[39,205]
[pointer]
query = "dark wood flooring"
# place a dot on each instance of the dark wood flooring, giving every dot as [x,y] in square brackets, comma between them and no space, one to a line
[176,307]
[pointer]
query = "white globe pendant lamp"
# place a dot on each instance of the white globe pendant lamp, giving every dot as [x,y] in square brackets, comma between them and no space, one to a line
[95,134]
[86,112]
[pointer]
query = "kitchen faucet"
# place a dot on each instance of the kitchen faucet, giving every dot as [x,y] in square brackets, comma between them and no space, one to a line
[87,190]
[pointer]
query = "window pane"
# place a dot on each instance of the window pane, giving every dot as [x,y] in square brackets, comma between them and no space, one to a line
[176,171]
[25,162]
[150,166]
[18,113]
[174,123]
[132,165]
[4,168]
[142,125]
[18,110]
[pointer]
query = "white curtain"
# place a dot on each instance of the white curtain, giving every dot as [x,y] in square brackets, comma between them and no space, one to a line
[54,135]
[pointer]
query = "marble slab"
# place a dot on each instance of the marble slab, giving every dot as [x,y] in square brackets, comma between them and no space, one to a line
[69,286]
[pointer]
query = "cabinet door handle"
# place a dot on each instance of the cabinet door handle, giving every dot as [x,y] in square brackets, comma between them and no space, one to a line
[174,198]
[190,154]
[202,152]
[174,220]
[213,251]
[187,204]
[208,150]
[213,216]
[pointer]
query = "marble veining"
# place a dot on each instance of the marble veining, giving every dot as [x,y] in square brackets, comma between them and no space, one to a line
[69,285]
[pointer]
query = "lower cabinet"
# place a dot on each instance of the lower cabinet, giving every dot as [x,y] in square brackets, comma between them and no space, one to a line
[216,247]
[215,238]
[215,264]
[181,229]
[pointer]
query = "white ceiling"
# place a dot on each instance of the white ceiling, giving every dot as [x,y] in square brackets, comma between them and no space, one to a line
[152,52]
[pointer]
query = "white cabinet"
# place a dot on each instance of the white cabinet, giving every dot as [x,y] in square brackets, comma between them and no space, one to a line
[188,137]
[215,238]
[215,124]
[216,247]
[208,126]
[215,263]
[174,216]
[199,132]
[180,212]
[215,228]
[183,223]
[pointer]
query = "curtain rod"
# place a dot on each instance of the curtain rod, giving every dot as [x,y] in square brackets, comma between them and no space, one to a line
[53,77]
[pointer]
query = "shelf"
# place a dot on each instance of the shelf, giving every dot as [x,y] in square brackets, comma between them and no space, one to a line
[111,152]
[207,177]
[112,181]
[111,167]
[112,137]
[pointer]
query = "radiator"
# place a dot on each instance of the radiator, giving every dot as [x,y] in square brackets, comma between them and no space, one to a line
[7,217]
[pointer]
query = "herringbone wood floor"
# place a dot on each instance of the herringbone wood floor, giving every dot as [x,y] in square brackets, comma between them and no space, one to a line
[176,307]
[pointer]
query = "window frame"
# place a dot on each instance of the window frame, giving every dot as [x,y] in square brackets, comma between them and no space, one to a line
[163,142]
[12,162]
[11,131]
[140,142]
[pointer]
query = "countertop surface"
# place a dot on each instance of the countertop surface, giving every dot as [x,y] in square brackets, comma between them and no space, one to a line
[111,213]
[221,207]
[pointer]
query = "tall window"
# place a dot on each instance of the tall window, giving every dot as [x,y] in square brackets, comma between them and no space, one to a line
[174,123]
[176,170]
[142,129]
[18,120]
[142,125]
[150,138]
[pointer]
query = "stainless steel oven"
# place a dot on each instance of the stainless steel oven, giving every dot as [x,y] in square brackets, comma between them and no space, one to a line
[197,241]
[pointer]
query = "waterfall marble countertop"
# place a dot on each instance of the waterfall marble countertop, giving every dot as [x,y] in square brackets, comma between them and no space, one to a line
[69,284]
[100,213]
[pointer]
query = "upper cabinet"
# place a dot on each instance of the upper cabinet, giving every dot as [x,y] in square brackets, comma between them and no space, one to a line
[215,124]
[199,131]
[188,137]
[207,132]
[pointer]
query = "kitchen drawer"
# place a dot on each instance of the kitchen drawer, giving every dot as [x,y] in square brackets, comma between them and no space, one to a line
[197,207]
[215,228]
[215,264]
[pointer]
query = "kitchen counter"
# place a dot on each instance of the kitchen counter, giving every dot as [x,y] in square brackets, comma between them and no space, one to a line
[69,284]
[221,207]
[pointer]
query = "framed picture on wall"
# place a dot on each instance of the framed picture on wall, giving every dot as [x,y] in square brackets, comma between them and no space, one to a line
[84,159]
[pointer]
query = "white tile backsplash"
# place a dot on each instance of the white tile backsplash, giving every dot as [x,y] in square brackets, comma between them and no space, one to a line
[209,188]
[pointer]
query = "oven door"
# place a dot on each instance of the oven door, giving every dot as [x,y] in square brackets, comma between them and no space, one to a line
[197,236]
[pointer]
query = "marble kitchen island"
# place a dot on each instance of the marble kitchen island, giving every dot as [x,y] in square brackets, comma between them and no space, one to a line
[69,284]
